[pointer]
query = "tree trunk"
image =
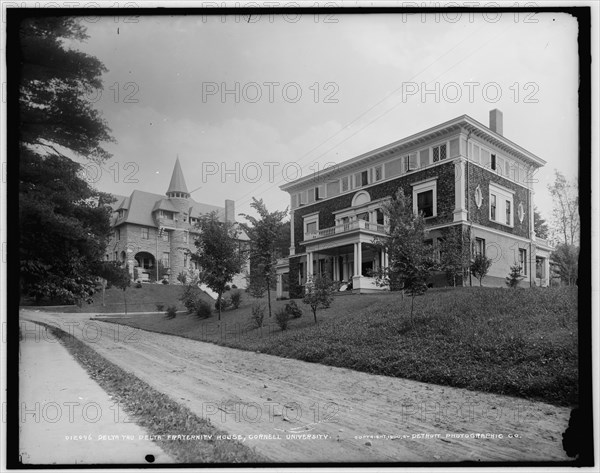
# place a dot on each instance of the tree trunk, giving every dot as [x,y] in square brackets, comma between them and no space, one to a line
[269,295]
[315,315]
[412,307]
[103,291]
[219,305]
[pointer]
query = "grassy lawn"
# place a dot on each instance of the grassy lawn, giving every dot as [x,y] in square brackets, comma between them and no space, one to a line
[143,299]
[155,412]
[519,342]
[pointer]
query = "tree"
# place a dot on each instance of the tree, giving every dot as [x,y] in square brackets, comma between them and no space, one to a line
[480,267]
[565,259]
[63,222]
[63,232]
[455,253]
[566,209]
[218,254]
[514,277]
[539,224]
[410,259]
[265,234]
[111,273]
[319,294]
[56,83]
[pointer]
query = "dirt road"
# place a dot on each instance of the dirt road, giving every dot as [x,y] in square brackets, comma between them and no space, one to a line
[293,411]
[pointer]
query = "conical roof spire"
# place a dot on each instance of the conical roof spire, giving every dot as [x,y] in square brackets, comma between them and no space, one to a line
[177,184]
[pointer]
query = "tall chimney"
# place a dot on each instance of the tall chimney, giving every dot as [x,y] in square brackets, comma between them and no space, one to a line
[496,121]
[229,210]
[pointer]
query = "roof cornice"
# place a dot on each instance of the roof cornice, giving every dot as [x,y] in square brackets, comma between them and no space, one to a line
[462,123]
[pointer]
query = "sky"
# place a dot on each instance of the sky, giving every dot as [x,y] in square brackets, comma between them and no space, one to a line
[250,103]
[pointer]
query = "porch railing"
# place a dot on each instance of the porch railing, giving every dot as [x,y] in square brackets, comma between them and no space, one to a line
[347,227]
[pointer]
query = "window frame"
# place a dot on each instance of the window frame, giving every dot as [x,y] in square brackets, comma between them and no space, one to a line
[499,196]
[422,187]
[145,233]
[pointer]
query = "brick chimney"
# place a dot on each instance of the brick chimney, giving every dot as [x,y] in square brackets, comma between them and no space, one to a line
[229,210]
[496,121]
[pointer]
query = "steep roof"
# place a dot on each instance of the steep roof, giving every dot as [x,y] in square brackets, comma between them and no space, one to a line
[177,180]
[141,205]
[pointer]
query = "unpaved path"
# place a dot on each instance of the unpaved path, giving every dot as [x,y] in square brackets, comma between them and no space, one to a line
[311,412]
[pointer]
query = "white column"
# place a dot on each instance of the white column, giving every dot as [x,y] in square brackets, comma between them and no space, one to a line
[547,271]
[279,285]
[386,259]
[309,265]
[336,268]
[292,244]
[355,258]
[344,269]
[460,210]
[359,253]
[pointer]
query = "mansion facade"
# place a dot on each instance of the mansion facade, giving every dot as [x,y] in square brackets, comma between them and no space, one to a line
[148,228]
[458,174]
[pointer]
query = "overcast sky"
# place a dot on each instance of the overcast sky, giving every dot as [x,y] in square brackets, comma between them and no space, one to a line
[360,79]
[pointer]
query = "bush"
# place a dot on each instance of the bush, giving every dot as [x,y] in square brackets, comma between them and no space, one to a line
[171,312]
[282,317]
[233,286]
[227,287]
[515,276]
[258,314]
[165,281]
[138,285]
[293,310]
[224,302]
[160,307]
[236,298]
[189,296]
[202,309]
[182,277]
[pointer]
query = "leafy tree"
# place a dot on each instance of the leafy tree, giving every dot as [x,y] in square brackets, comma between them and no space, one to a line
[56,83]
[539,224]
[410,259]
[565,259]
[480,267]
[514,277]
[217,254]
[111,273]
[63,222]
[318,294]
[566,209]
[455,254]
[63,231]
[265,235]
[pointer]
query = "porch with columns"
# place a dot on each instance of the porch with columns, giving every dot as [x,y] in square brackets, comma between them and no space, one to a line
[347,263]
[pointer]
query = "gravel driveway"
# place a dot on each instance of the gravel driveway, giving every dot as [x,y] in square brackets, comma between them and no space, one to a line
[294,411]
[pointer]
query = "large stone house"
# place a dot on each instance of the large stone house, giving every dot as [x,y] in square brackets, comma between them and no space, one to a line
[148,227]
[459,173]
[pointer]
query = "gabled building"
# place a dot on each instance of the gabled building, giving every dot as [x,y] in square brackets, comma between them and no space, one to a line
[458,174]
[150,227]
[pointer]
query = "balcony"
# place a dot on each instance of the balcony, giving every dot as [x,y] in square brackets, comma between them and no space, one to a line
[348,227]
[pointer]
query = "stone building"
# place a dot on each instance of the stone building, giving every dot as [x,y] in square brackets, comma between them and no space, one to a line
[148,227]
[459,174]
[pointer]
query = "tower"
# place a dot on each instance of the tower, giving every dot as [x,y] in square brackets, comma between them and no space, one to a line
[179,196]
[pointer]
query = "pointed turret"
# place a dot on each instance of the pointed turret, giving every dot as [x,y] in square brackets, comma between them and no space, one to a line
[177,187]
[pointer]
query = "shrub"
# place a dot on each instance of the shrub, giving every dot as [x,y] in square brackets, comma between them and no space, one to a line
[189,296]
[282,317]
[165,281]
[236,298]
[182,277]
[233,286]
[514,277]
[258,314]
[227,287]
[171,312]
[202,309]
[293,310]
[160,307]
[224,302]
[136,274]
[138,285]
